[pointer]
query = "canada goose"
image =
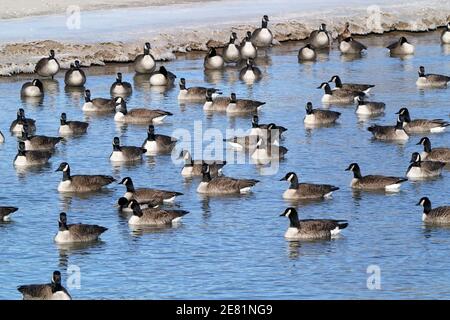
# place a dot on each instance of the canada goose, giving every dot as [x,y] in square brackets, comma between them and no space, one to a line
[35,142]
[154,217]
[48,66]
[145,62]
[124,205]
[30,157]
[119,87]
[401,47]
[351,46]
[365,88]
[223,185]
[445,36]
[17,125]
[231,51]
[81,183]
[369,107]
[343,96]
[320,39]
[125,153]
[266,150]
[421,125]
[2,137]
[195,93]
[215,104]
[431,79]
[346,33]
[100,105]
[423,169]
[373,182]
[33,88]
[262,37]
[5,212]
[70,233]
[194,167]
[75,77]
[213,60]
[241,143]
[250,72]
[261,128]
[247,49]
[311,229]
[71,127]
[145,195]
[298,190]
[390,133]
[138,115]
[439,215]
[158,142]
[48,291]
[239,106]
[319,116]
[307,53]
[162,77]
[435,154]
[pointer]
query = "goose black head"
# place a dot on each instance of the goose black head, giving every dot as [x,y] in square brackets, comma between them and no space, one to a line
[323,27]
[212,53]
[415,158]
[249,35]
[135,206]
[77,64]
[182,83]
[421,71]
[425,141]
[147,46]
[87,95]
[289,176]
[38,83]
[233,98]
[209,93]
[233,36]
[56,278]
[361,98]
[205,168]
[122,202]
[126,181]
[52,54]
[62,221]
[21,113]
[324,85]
[63,118]
[119,77]
[121,105]
[404,115]
[116,143]
[353,167]
[448,26]
[163,70]
[21,147]
[309,108]
[425,203]
[265,21]
[403,40]
[255,121]
[64,166]
[288,212]
[184,154]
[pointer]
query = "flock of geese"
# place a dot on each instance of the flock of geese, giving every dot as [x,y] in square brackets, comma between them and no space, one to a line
[146,205]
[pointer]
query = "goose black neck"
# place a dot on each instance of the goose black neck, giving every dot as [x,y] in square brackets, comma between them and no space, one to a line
[293,219]
[62,226]
[66,174]
[130,187]
[63,122]
[137,211]
[182,86]
[338,82]
[116,147]
[294,182]
[56,287]
[427,207]
[150,136]
[206,177]
[399,124]
[357,173]
[188,162]
[264,24]
[427,146]
[328,89]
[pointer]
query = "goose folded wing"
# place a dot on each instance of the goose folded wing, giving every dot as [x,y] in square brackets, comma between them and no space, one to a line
[36,290]
[91,181]
[383,180]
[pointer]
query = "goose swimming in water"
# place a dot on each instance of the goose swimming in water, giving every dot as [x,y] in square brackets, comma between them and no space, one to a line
[158,143]
[195,93]
[81,183]
[17,125]
[38,142]
[319,116]
[97,105]
[124,205]
[75,233]
[374,182]
[445,35]
[401,47]
[390,133]
[145,62]
[250,72]
[351,46]
[5,212]
[435,154]
[71,127]
[223,185]
[215,104]
[365,88]
[261,128]
[341,96]
[213,60]
[240,106]
[30,157]
[369,108]
[421,125]
[120,88]
[439,215]
[266,150]
[33,88]
[193,168]
[320,39]
[247,49]
[262,37]
[307,53]
[138,115]
[298,191]
[145,195]
[125,153]
[162,77]
[431,79]
[75,77]
[311,229]
[48,66]
[423,169]
[231,51]
[48,291]
[154,217]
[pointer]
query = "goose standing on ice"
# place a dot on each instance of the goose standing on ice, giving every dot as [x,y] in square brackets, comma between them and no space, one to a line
[423,169]
[231,51]
[75,77]
[320,39]
[247,49]
[48,66]
[262,37]
[373,182]
[145,62]
[75,233]
[298,191]
[158,143]
[307,53]
[445,36]
[48,291]
[439,215]
[431,79]
[213,60]
[435,154]
[311,229]
[33,88]
[401,47]
[81,183]
[421,125]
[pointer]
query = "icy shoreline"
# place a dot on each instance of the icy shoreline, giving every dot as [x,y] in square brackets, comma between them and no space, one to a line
[172,29]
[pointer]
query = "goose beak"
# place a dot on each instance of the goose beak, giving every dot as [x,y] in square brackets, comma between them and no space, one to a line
[59,169]
[418,203]
[283,179]
[418,143]
[282,215]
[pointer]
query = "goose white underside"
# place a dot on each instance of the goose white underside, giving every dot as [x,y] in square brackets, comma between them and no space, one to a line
[232,53]
[417,173]
[344,47]
[187,171]
[52,67]
[437,129]
[159,119]
[307,54]
[147,63]
[364,110]
[21,161]
[249,75]
[63,237]
[245,190]
[117,156]
[65,129]
[89,106]
[208,106]
[158,80]
[120,89]
[393,187]
[169,200]
[65,186]
[151,146]
[76,78]
[446,37]
[17,128]
[265,37]
[424,216]
[248,51]
[60,295]
[215,62]
[32,91]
